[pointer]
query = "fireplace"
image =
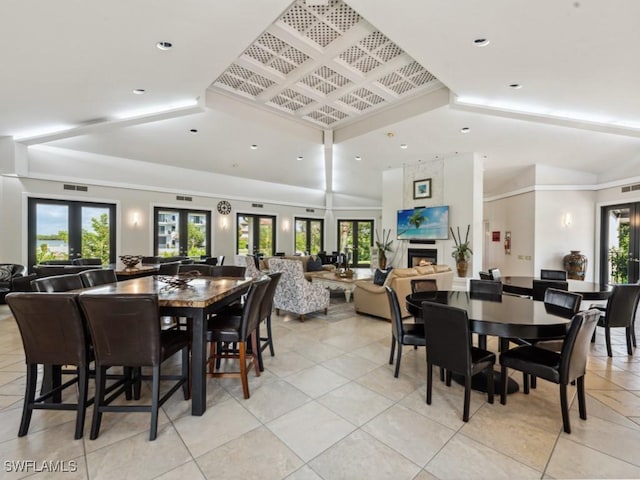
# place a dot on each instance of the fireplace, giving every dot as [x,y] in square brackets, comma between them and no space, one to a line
[417,255]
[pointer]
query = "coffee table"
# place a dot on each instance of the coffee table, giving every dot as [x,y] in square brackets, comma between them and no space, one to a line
[347,284]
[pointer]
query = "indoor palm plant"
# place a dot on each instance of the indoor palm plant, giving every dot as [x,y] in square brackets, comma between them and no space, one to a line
[461,251]
[384,246]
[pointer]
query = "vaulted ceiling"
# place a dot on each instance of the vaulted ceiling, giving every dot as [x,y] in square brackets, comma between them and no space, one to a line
[279,75]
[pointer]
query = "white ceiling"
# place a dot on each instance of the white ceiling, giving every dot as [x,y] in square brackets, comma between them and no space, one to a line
[74,64]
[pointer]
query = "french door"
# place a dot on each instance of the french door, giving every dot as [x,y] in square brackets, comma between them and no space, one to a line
[355,238]
[620,243]
[256,234]
[309,233]
[181,232]
[65,230]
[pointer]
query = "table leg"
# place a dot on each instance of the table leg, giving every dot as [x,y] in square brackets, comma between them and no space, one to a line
[347,294]
[198,362]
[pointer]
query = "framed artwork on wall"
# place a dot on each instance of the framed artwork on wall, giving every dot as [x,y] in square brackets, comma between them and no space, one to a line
[422,188]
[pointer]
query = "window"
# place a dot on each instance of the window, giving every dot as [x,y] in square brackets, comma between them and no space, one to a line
[355,238]
[309,234]
[182,232]
[256,234]
[64,230]
[620,243]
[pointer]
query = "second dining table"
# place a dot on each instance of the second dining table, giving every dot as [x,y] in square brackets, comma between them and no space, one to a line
[197,300]
[523,285]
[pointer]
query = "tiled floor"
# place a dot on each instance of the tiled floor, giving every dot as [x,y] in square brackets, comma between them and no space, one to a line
[328,407]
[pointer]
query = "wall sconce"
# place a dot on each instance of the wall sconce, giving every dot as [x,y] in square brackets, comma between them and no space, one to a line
[286,225]
[135,219]
[567,220]
[224,223]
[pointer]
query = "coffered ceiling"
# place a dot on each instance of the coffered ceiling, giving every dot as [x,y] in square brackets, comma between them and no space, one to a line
[279,75]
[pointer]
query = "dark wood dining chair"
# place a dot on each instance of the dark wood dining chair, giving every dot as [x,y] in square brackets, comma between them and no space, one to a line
[57,283]
[562,367]
[266,308]
[402,333]
[234,271]
[620,312]
[201,268]
[448,342]
[93,278]
[546,274]
[540,287]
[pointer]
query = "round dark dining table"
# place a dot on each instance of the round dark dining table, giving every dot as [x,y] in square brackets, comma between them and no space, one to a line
[504,316]
[589,290]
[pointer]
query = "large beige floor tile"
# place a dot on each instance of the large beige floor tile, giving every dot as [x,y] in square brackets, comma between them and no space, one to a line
[350,365]
[316,381]
[362,456]
[623,402]
[274,399]
[186,471]
[382,381]
[355,403]
[286,363]
[304,473]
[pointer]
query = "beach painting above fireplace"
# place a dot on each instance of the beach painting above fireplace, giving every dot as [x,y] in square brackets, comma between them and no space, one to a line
[423,223]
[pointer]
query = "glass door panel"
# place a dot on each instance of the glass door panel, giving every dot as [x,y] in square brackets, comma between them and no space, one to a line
[96,233]
[355,240]
[620,243]
[197,225]
[52,232]
[302,237]
[309,233]
[267,235]
[256,235]
[182,232]
[315,240]
[167,234]
[363,257]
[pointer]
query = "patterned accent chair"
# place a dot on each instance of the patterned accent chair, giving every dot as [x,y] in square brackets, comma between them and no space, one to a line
[249,262]
[295,293]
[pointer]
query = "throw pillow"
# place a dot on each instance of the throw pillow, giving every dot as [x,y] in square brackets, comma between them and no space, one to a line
[380,276]
[314,264]
[5,272]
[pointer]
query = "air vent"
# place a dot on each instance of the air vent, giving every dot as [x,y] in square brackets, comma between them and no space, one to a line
[631,188]
[310,210]
[79,188]
[257,205]
[184,199]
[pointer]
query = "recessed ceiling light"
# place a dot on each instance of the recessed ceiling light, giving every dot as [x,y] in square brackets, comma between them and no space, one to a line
[515,86]
[139,91]
[299,158]
[465,130]
[235,165]
[254,147]
[164,45]
[403,146]
[193,130]
[481,42]
[358,157]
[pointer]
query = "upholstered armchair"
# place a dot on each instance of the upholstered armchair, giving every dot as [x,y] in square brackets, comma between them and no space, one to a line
[295,293]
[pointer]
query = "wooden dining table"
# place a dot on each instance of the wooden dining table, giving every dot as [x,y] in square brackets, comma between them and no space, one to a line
[197,300]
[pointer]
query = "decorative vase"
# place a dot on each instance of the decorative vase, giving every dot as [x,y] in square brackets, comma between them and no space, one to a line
[575,264]
[461,266]
[382,260]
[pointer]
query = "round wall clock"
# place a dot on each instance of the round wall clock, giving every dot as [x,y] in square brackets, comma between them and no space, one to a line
[224,207]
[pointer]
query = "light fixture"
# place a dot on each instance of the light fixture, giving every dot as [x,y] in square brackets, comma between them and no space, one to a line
[286,225]
[404,146]
[567,220]
[224,222]
[465,130]
[164,45]
[358,157]
[194,130]
[299,158]
[135,219]
[139,91]
[515,86]
[481,42]
[254,147]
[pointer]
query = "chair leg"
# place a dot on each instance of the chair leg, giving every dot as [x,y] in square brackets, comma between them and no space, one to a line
[243,369]
[629,341]
[29,396]
[393,349]
[429,381]
[534,382]
[442,374]
[398,360]
[582,403]
[155,400]
[467,398]
[302,318]
[448,378]
[101,379]
[56,376]
[258,353]
[83,386]
[607,337]
[490,384]
[564,406]
[255,348]
[269,336]
[503,384]
[525,382]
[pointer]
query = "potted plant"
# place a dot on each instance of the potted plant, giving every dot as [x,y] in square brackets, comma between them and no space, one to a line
[461,251]
[383,247]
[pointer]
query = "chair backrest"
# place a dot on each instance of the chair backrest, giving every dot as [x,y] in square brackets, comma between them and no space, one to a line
[169,268]
[424,285]
[540,287]
[562,303]
[211,261]
[485,287]
[622,305]
[234,271]
[151,260]
[495,273]
[396,316]
[267,301]
[447,336]
[56,262]
[220,260]
[251,312]
[485,276]
[292,271]
[87,261]
[201,268]
[553,274]
[52,327]
[57,283]
[576,345]
[125,328]
[93,278]
[252,264]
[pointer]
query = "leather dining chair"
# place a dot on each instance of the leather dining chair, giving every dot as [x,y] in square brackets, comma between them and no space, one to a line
[540,287]
[485,276]
[485,287]
[86,261]
[234,271]
[402,333]
[57,283]
[202,269]
[169,268]
[53,333]
[93,278]
[448,341]
[620,312]
[424,285]
[562,367]
[266,309]
[546,274]
[125,329]
[232,329]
